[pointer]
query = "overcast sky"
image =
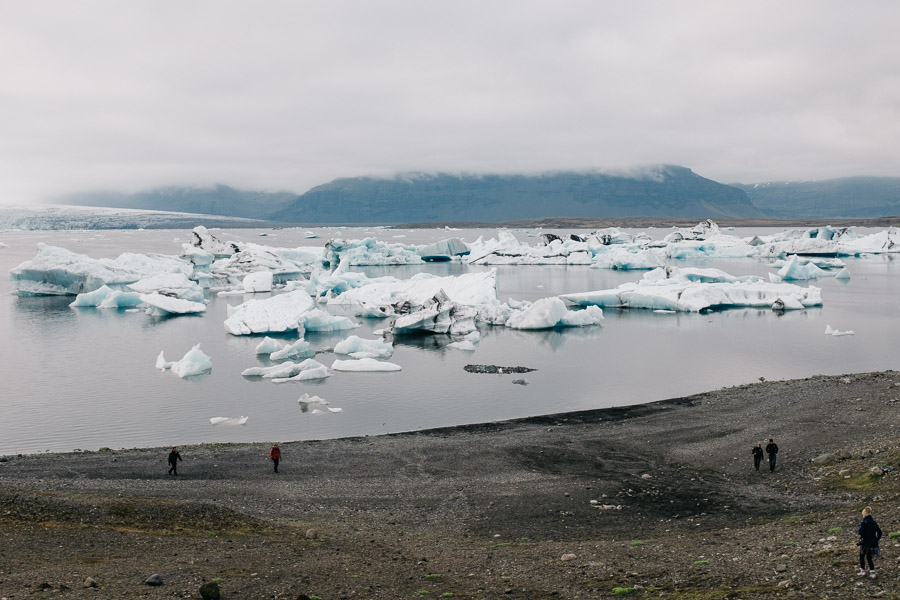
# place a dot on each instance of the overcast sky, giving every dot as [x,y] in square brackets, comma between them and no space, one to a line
[287,95]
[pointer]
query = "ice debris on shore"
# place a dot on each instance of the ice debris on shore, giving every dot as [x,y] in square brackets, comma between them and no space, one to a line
[195,362]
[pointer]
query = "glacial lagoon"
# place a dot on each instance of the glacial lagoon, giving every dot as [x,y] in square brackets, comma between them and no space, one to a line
[85,378]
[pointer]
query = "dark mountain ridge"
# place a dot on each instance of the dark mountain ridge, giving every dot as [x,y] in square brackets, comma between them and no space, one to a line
[665,191]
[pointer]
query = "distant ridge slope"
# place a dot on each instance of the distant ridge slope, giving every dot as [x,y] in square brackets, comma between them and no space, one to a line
[849,197]
[664,191]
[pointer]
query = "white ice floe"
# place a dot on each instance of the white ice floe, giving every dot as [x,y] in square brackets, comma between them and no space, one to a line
[358,347]
[195,362]
[364,365]
[169,284]
[693,290]
[315,405]
[298,350]
[268,346]
[443,250]
[507,250]
[369,251]
[308,374]
[258,281]
[551,312]
[105,297]
[630,258]
[835,332]
[163,306]
[284,312]
[796,268]
[320,321]
[57,271]
[285,370]
[228,420]
[471,288]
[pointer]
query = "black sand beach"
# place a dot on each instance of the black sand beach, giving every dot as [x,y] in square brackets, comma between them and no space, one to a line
[657,500]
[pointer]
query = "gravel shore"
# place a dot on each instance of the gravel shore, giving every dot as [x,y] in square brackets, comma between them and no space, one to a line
[655,500]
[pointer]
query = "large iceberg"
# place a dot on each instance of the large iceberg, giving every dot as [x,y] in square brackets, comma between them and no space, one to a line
[195,362]
[169,284]
[693,290]
[284,312]
[507,250]
[470,288]
[57,271]
[369,252]
[438,315]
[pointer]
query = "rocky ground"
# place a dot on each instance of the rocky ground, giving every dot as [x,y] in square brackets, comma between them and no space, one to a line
[657,500]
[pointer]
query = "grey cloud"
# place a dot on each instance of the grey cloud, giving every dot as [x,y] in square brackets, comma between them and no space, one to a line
[286,95]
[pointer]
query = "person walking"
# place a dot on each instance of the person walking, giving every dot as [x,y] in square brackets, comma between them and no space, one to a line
[275,455]
[757,455]
[772,451]
[869,534]
[174,457]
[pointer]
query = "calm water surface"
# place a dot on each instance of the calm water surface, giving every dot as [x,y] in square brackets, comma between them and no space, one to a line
[85,378]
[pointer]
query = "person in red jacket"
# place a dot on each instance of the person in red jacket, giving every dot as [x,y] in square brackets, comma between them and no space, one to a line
[275,455]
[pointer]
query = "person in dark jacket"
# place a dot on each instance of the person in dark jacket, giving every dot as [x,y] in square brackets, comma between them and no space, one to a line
[174,457]
[757,455]
[275,455]
[772,451]
[869,534]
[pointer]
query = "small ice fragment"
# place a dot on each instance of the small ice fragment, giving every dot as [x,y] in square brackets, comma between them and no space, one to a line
[228,420]
[835,332]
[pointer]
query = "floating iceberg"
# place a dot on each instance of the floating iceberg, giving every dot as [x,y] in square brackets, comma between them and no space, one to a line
[284,370]
[259,281]
[835,332]
[552,312]
[438,315]
[507,250]
[195,362]
[369,252]
[798,269]
[470,288]
[268,346]
[169,284]
[694,290]
[315,405]
[307,374]
[228,420]
[298,350]
[364,365]
[443,250]
[203,239]
[628,258]
[322,322]
[164,306]
[284,312]
[358,347]
[105,297]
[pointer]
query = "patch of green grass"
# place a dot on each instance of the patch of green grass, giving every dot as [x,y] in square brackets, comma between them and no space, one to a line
[705,561]
[211,533]
[433,576]
[622,591]
[834,530]
[793,517]
[423,592]
[791,544]
[218,579]
[637,543]
[860,481]
[354,576]
[894,535]
[523,539]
